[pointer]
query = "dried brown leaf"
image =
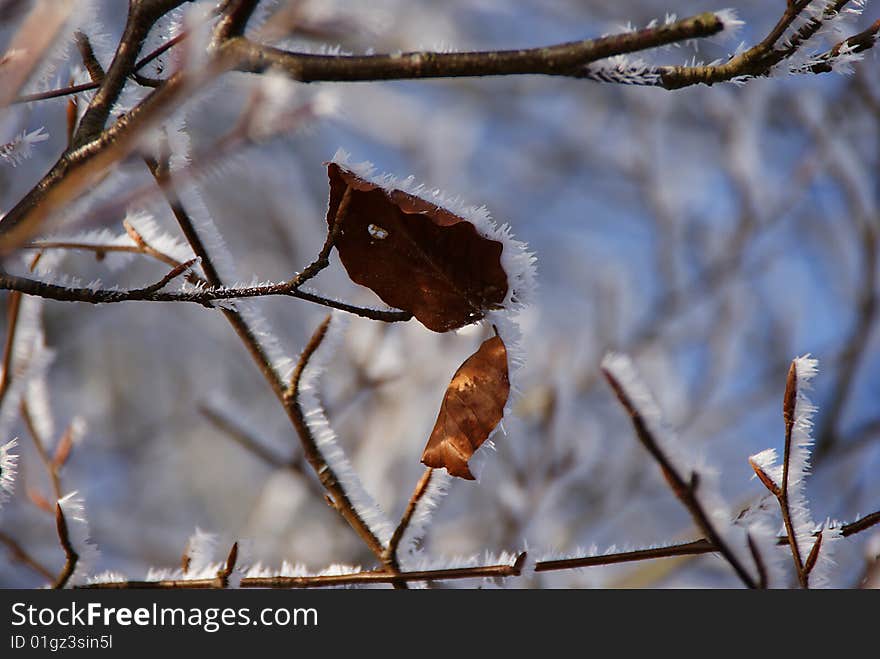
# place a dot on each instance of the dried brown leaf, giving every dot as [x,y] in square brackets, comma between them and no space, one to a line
[472,407]
[415,255]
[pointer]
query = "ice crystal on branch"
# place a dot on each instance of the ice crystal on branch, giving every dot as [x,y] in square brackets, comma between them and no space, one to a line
[325,437]
[787,480]
[21,147]
[73,507]
[8,467]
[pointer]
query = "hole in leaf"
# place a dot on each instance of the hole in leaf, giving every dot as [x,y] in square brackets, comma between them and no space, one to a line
[377,232]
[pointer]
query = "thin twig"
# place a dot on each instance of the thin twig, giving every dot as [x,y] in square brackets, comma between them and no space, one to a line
[759,561]
[14,305]
[685,490]
[419,491]
[88,86]
[244,439]
[788,412]
[142,16]
[370,577]
[71,557]
[234,19]
[338,496]
[19,554]
[40,445]
[323,258]
[701,546]
[203,296]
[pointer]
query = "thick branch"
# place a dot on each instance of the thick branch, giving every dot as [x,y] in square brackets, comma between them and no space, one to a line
[566,59]
[142,15]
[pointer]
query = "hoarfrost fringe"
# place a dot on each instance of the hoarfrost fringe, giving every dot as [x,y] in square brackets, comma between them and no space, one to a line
[427,504]
[708,493]
[73,507]
[325,438]
[21,147]
[8,469]
[805,529]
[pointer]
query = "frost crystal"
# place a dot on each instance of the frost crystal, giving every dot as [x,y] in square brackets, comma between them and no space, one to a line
[22,147]
[73,507]
[8,466]
[805,529]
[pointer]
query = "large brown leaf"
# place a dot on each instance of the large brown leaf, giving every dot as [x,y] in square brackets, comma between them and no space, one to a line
[415,255]
[472,407]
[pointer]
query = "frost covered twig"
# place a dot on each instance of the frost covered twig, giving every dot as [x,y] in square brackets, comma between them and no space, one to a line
[786,481]
[141,18]
[685,488]
[567,59]
[204,296]
[338,496]
[88,86]
[789,413]
[334,580]
[781,44]
[695,548]
[22,146]
[52,468]
[407,517]
[71,557]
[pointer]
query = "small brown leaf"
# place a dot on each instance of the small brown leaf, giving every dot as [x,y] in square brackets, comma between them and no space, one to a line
[415,255]
[472,407]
